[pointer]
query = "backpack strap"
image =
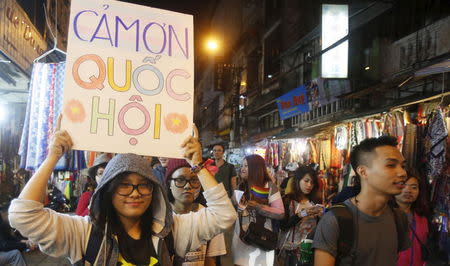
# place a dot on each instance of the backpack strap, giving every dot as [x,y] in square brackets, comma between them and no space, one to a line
[170,244]
[95,241]
[346,230]
[166,246]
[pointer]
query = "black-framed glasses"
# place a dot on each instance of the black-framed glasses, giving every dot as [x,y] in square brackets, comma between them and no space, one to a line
[125,189]
[181,182]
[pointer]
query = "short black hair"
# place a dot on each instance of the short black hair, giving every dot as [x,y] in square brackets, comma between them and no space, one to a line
[368,146]
[218,144]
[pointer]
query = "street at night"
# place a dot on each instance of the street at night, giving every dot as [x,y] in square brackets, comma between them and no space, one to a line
[238,132]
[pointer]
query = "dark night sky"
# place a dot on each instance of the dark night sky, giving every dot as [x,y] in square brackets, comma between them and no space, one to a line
[201,9]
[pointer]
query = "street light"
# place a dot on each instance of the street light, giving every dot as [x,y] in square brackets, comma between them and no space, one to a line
[212,45]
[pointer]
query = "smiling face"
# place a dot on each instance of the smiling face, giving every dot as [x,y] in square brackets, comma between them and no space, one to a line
[384,170]
[306,184]
[244,169]
[134,205]
[185,185]
[410,192]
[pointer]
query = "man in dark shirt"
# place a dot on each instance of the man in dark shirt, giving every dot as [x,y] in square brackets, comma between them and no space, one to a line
[227,173]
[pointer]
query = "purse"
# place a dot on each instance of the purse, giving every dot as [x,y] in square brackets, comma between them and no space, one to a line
[426,252]
[257,235]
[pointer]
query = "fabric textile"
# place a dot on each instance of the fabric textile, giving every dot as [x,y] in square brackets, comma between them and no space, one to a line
[11,258]
[213,248]
[160,173]
[43,107]
[435,144]
[83,203]
[174,164]
[413,255]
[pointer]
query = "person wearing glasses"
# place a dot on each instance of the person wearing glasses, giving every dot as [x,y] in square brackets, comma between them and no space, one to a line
[184,189]
[130,221]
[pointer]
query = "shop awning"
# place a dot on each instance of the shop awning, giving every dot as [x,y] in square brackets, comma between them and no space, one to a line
[441,67]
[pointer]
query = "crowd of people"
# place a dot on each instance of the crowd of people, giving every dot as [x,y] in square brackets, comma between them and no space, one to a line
[192,212]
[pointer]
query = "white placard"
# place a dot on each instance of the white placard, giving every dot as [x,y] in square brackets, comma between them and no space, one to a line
[129,84]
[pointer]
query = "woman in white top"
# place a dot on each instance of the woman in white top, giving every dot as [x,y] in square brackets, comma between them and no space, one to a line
[183,193]
[261,199]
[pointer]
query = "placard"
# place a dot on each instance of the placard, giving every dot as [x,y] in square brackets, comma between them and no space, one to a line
[129,84]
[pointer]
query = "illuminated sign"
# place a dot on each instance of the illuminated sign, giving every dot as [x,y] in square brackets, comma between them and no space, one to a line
[334,28]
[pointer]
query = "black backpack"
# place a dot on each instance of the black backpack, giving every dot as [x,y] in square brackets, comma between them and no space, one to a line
[347,234]
[95,241]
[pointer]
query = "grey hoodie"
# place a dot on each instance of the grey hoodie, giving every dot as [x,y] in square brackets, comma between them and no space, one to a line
[161,208]
[62,235]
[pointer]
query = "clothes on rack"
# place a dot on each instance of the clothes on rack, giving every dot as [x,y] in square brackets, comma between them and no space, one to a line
[435,144]
[44,104]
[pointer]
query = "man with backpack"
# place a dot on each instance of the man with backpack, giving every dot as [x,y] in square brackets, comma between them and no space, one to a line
[365,230]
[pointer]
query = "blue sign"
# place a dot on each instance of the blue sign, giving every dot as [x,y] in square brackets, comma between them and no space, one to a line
[293,103]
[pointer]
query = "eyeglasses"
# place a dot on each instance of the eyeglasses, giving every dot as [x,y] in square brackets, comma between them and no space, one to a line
[125,189]
[181,182]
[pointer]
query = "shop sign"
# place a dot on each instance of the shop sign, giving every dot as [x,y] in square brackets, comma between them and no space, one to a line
[324,91]
[293,103]
[20,40]
[429,42]
[129,83]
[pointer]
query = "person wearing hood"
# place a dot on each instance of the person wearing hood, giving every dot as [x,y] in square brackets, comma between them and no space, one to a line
[95,173]
[130,213]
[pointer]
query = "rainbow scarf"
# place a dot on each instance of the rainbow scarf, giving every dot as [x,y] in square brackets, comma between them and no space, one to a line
[260,192]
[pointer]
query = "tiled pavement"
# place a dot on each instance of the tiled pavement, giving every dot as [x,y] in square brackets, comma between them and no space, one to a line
[37,258]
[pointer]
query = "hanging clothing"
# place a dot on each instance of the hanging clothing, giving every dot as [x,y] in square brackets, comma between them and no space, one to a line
[44,104]
[325,154]
[360,131]
[435,144]
[341,137]
[410,145]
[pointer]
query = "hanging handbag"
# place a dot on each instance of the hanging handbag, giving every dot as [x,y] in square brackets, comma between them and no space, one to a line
[257,235]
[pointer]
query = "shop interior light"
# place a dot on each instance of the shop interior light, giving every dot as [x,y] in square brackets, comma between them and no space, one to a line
[3,113]
[367,68]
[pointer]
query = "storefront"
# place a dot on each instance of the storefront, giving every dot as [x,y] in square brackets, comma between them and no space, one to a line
[422,130]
